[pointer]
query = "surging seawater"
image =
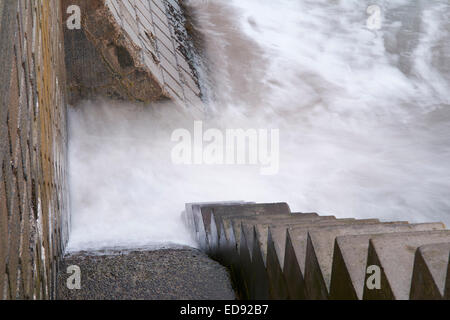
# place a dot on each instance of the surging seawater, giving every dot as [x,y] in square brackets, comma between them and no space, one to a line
[363,117]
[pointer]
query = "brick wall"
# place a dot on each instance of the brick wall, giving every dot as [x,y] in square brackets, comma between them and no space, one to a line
[33,189]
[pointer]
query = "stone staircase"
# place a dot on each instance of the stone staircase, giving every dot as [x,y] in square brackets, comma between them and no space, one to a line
[273,253]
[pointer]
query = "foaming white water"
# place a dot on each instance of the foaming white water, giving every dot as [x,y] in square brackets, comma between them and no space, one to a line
[363,116]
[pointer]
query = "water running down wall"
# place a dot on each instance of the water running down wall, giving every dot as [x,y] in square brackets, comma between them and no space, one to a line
[363,119]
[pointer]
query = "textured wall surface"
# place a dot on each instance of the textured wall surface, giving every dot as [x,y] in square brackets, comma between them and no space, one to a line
[33,190]
[273,253]
[136,50]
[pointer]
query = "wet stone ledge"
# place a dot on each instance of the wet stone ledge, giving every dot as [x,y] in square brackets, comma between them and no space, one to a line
[168,274]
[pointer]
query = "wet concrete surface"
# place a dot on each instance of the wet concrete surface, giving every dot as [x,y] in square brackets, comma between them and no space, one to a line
[168,274]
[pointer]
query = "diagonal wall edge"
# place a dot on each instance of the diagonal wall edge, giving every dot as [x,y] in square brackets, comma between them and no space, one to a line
[135,50]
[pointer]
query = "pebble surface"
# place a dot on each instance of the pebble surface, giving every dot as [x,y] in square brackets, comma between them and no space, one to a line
[169,274]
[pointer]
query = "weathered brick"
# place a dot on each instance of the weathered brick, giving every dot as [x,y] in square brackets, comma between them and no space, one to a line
[32,148]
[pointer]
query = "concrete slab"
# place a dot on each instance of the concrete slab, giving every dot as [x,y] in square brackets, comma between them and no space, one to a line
[278,233]
[430,272]
[394,254]
[299,235]
[276,254]
[221,212]
[194,219]
[259,281]
[249,261]
[278,288]
[350,259]
[242,267]
[231,224]
[171,274]
[242,256]
[228,245]
[320,247]
[212,216]
[193,212]
[295,255]
[292,221]
[229,249]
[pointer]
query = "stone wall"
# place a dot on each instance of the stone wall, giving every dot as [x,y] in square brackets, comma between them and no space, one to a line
[33,142]
[136,50]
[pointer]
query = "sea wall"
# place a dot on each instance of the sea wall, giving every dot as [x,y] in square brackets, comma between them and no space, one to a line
[33,143]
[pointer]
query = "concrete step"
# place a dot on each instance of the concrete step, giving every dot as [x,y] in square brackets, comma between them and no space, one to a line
[430,280]
[212,225]
[194,219]
[232,224]
[257,210]
[274,221]
[394,254]
[277,234]
[261,262]
[350,259]
[248,258]
[251,257]
[260,281]
[229,242]
[204,217]
[320,247]
[295,255]
[191,214]
[275,254]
